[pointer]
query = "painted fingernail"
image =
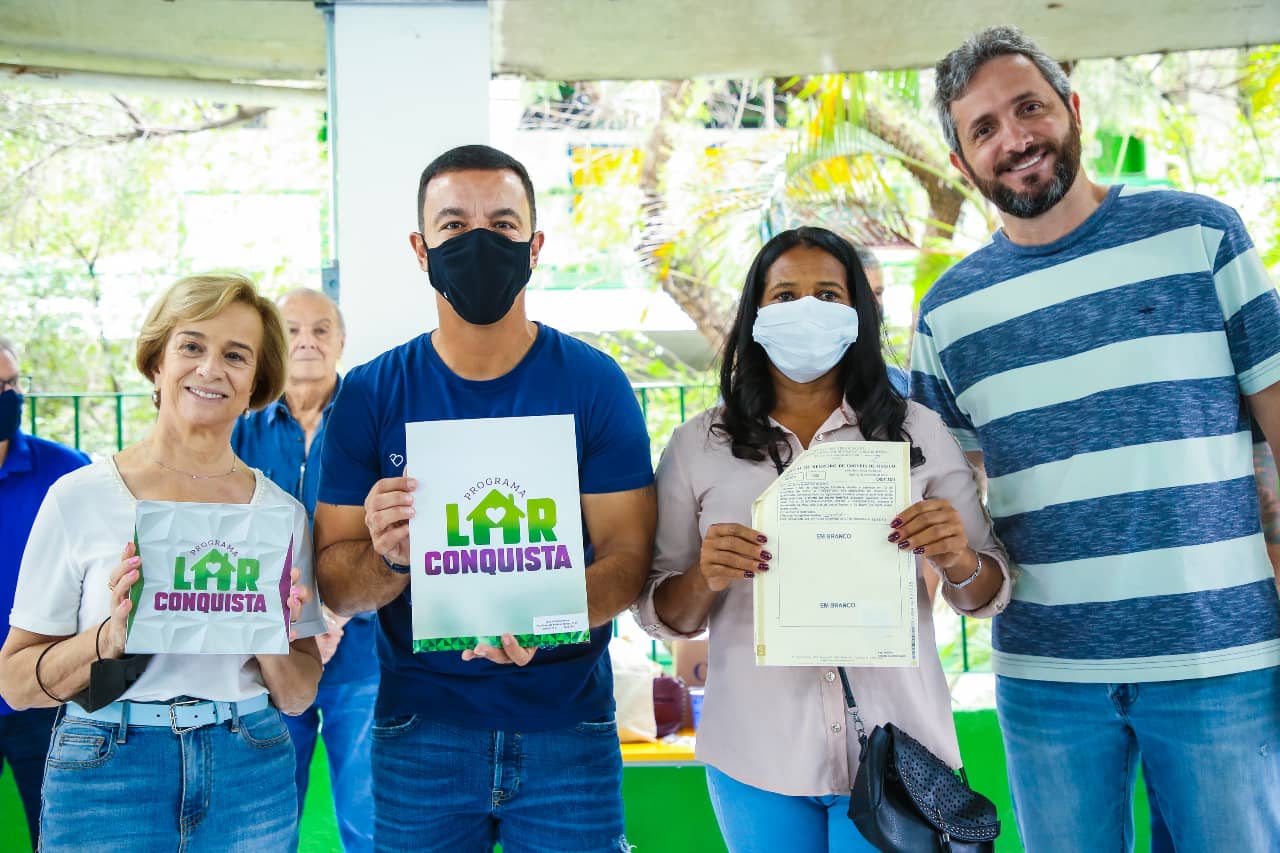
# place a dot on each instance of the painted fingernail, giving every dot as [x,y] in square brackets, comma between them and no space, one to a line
[764,567]
[135,561]
[748,575]
[897,522]
[765,555]
[762,538]
[918,551]
[895,536]
[904,544]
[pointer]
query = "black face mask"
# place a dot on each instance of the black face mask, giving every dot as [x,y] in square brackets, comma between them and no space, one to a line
[10,414]
[480,273]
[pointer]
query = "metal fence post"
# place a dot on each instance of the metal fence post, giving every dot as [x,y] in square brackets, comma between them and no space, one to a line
[75,414]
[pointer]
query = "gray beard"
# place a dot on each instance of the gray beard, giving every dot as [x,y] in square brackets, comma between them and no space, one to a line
[1029,205]
[1036,202]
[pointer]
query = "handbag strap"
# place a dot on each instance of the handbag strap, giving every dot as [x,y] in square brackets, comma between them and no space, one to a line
[861,729]
[858,725]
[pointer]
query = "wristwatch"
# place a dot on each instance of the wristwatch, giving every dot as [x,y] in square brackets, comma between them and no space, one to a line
[402,569]
[953,584]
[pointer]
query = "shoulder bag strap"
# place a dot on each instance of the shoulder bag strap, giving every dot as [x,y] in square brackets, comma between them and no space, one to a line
[858,725]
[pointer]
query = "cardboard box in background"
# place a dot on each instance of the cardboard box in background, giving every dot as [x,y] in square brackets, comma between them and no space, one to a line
[689,659]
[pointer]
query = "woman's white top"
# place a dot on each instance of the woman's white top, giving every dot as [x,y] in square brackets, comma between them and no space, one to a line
[82,527]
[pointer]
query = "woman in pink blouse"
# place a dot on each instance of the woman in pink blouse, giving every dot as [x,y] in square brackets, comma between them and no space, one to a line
[803,364]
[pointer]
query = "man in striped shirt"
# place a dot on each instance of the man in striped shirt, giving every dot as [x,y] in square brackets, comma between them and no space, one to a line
[1102,357]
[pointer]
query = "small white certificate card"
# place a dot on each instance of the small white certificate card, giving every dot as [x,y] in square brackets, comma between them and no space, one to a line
[495,544]
[837,593]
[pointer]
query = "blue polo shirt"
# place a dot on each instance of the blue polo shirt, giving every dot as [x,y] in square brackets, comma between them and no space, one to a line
[561,686]
[30,468]
[271,440]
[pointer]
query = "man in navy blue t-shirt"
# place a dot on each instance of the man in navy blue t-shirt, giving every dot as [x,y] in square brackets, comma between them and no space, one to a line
[500,743]
[28,467]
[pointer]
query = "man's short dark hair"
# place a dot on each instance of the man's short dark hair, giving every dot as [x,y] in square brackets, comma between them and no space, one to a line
[956,70]
[482,158]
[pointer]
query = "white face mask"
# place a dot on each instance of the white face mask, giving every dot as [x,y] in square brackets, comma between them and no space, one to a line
[805,338]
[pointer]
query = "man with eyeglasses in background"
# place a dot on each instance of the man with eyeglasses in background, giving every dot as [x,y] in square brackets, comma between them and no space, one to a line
[28,467]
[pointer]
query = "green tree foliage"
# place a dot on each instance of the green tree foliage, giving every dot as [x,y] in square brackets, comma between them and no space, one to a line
[1206,120]
[861,153]
[92,226]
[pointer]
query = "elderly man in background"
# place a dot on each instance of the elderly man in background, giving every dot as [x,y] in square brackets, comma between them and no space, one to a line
[898,377]
[284,440]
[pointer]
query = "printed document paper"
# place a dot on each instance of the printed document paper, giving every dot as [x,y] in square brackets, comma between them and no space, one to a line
[837,593]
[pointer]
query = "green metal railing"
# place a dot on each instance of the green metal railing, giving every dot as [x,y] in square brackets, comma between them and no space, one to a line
[78,400]
[664,405]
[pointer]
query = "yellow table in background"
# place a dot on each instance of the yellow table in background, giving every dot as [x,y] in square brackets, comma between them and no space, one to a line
[676,753]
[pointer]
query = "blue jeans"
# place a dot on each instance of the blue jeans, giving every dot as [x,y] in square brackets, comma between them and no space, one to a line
[1161,841]
[343,715]
[24,742]
[753,820]
[213,789]
[1211,747]
[454,790]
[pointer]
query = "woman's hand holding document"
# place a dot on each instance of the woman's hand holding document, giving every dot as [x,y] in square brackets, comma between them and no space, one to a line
[837,591]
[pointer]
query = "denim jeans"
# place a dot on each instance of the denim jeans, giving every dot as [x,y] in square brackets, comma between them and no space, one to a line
[343,715]
[1210,746]
[24,742]
[753,820]
[217,788]
[1161,842]
[454,790]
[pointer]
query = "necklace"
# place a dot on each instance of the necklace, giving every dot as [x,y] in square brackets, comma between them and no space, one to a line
[196,476]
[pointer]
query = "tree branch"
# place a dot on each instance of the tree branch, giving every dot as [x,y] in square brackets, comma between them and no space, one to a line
[142,130]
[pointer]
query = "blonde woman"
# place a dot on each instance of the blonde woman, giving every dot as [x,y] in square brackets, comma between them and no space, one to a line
[193,754]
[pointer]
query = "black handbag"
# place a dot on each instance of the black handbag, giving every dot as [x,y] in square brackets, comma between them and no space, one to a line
[907,800]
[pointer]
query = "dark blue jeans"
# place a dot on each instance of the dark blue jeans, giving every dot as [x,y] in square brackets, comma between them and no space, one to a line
[1161,840]
[24,742]
[343,716]
[453,790]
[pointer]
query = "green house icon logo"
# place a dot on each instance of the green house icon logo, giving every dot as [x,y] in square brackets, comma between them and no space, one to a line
[218,568]
[497,511]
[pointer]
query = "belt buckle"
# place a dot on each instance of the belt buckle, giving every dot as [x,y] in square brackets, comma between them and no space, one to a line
[173,716]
